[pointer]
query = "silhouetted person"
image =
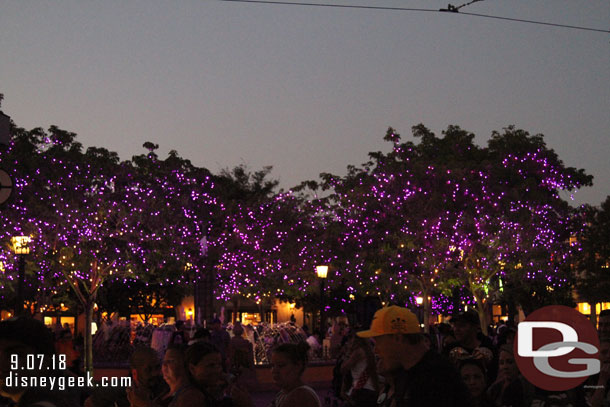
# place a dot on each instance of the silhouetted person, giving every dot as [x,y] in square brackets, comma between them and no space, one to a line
[220,338]
[182,392]
[241,359]
[204,363]
[361,366]
[468,342]
[147,382]
[26,336]
[417,375]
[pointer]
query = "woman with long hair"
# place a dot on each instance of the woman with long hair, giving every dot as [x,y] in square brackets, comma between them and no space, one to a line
[510,388]
[360,363]
[182,392]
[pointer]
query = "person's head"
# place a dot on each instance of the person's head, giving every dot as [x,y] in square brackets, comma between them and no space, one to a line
[238,330]
[355,342]
[510,334]
[474,376]
[465,326]
[507,367]
[604,323]
[22,336]
[288,362]
[173,367]
[200,335]
[216,325]
[340,327]
[204,364]
[397,336]
[145,367]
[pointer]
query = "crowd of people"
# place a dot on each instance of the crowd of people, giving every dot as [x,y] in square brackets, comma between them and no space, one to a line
[392,364]
[454,365]
[210,369]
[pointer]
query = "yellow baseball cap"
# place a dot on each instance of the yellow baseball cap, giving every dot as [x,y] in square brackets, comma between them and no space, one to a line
[392,320]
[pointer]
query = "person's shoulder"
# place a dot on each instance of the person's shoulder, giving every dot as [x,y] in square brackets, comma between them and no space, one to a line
[303,396]
[238,340]
[435,371]
[495,387]
[45,398]
[109,396]
[436,361]
[191,397]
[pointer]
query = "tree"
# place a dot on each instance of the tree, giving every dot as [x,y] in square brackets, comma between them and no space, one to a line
[592,262]
[68,202]
[173,204]
[394,239]
[427,217]
[527,177]
[264,248]
[92,217]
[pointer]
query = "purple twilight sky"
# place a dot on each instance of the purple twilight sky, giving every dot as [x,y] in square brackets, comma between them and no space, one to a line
[308,89]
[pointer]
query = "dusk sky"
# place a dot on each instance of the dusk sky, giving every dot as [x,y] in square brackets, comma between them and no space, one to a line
[308,89]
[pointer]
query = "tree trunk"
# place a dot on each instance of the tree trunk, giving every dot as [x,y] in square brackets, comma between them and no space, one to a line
[482,313]
[75,324]
[235,314]
[513,312]
[88,337]
[484,321]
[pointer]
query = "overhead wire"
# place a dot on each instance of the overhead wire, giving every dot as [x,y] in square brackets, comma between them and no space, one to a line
[449,9]
[576,27]
[288,3]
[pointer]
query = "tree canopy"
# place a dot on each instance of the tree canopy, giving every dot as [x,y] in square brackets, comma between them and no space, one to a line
[436,217]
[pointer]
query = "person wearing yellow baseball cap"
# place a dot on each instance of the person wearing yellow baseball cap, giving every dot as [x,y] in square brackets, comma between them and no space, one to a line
[417,376]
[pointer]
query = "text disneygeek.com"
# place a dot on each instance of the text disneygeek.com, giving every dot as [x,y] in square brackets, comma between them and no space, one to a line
[63,382]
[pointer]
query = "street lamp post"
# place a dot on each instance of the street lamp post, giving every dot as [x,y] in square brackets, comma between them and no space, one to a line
[21,248]
[322,273]
[420,314]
